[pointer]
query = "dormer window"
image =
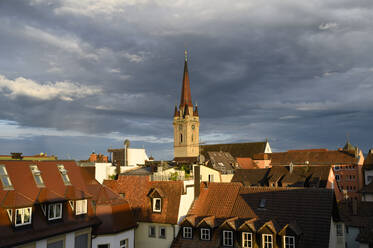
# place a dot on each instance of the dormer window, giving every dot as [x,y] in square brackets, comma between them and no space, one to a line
[63,172]
[157,205]
[227,238]
[23,216]
[81,207]
[54,211]
[187,232]
[262,203]
[267,241]
[37,175]
[289,242]
[205,234]
[5,180]
[247,240]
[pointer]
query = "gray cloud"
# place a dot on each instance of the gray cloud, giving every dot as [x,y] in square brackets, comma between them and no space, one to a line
[298,73]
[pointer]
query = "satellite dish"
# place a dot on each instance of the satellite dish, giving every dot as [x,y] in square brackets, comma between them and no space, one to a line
[126,143]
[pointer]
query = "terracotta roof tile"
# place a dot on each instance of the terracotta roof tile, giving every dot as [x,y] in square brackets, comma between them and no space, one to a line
[246,163]
[236,149]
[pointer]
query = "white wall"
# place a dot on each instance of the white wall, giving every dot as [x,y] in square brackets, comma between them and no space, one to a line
[114,239]
[102,171]
[142,239]
[186,200]
[136,156]
[334,240]
[368,173]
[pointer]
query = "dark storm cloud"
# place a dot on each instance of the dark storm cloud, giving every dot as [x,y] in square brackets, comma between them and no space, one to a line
[296,72]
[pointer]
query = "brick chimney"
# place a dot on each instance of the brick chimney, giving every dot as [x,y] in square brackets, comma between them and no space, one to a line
[197,181]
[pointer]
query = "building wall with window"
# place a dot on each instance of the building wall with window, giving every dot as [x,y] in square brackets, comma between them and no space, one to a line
[124,239]
[63,241]
[337,235]
[145,238]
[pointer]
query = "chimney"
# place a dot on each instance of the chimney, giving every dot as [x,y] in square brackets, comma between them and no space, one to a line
[197,181]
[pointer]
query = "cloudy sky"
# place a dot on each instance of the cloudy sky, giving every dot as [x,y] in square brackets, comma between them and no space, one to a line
[81,76]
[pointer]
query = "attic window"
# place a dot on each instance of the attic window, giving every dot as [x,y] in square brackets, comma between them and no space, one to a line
[37,175]
[5,180]
[205,234]
[157,205]
[23,216]
[262,203]
[64,175]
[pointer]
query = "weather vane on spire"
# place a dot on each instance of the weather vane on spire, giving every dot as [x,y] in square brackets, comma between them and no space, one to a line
[186,54]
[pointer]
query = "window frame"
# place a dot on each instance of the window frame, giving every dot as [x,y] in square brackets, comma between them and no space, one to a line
[54,209]
[155,204]
[36,173]
[160,232]
[125,245]
[81,207]
[107,245]
[150,235]
[207,234]
[266,243]
[5,176]
[289,241]
[249,241]
[189,232]
[337,177]
[228,241]
[23,223]
[63,173]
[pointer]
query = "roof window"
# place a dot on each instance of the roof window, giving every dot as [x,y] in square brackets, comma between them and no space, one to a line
[5,180]
[37,175]
[262,203]
[65,177]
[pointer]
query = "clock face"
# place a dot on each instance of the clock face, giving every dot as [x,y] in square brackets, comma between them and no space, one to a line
[193,126]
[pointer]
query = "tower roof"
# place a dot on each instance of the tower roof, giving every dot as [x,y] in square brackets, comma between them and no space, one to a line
[186,97]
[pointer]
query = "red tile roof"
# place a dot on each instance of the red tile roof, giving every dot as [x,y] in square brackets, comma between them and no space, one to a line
[26,193]
[137,188]
[312,157]
[246,163]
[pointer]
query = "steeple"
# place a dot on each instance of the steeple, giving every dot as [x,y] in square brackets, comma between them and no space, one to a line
[186,96]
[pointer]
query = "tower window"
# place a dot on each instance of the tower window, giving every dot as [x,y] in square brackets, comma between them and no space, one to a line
[181,138]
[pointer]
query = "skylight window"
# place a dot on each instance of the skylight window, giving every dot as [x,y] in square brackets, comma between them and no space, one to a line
[5,180]
[37,175]
[65,177]
[262,203]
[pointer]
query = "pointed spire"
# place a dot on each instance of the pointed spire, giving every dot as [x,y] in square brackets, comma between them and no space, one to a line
[195,112]
[186,97]
[176,113]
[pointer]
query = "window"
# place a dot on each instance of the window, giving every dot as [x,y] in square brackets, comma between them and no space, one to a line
[104,246]
[247,240]
[162,232]
[10,214]
[339,228]
[37,175]
[5,180]
[56,244]
[262,203]
[124,243]
[211,178]
[81,241]
[181,138]
[54,211]
[227,238]
[81,207]
[267,241]
[336,168]
[187,232]
[337,177]
[151,231]
[64,175]
[23,216]
[157,205]
[205,234]
[289,242]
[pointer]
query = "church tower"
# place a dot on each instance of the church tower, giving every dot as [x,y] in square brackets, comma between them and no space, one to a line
[186,123]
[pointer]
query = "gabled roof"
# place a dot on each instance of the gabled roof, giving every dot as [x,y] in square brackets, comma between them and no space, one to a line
[246,163]
[236,149]
[306,210]
[222,161]
[137,189]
